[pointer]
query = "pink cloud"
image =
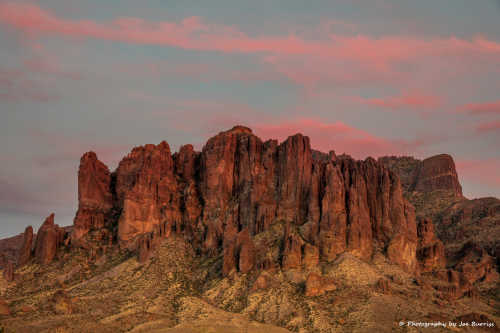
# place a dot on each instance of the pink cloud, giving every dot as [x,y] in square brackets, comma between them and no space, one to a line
[329,60]
[336,136]
[480,108]
[407,99]
[489,126]
[47,67]
[479,171]
[14,86]
[193,33]
[204,72]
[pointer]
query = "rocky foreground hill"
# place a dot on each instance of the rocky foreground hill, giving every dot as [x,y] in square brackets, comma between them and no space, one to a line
[253,236]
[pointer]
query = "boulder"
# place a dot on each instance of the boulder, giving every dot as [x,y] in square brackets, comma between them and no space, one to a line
[382,286]
[260,283]
[4,307]
[313,285]
[60,303]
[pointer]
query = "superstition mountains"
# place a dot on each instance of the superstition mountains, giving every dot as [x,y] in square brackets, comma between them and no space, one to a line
[254,236]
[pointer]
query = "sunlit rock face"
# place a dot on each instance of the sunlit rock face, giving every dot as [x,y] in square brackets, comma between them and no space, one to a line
[95,197]
[238,185]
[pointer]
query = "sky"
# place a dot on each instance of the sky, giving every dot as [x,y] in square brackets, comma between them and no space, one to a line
[368,78]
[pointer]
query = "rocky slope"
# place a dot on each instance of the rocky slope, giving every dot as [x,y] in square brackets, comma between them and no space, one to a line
[245,235]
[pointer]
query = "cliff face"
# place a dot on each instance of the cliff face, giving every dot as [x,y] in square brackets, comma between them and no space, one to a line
[239,185]
[434,173]
[94,195]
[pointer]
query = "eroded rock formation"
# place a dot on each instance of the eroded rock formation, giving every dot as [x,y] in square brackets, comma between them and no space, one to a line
[94,195]
[49,236]
[434,173]
[238,185]
[25,255]
[431,251]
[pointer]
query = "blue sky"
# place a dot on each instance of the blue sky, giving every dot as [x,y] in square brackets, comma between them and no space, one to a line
[368,78]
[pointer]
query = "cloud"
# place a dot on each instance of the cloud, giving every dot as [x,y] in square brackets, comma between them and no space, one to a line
[479,171]
[408,99]
[204,72]
[326,60]
[15,86]
[337,136]
[46,67]
[487,108]
[193,33]
[489,126]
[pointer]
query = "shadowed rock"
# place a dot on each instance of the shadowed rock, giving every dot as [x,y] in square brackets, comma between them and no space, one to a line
[9,272]
[430,251]
[48,238]
[25,255]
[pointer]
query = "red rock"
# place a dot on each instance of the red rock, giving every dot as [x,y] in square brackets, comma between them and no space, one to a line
[145,249]
[247,257]
[383,286]
[294,276]
[95,197]
[229,261]
[292,254]
[60,303]
[28,309]
[4,307]
[260,283]
[437,172]
[25,255]
[475,263]
[433,173]
[331,238]
[186,161]
[240,183]
[377,211]
[9,272]
[18,279]
[269,265]
[47,241]
[462,286]
[313,285]
[430,251]
[328,283]
[396,280]
[82,244]
[146,185]
[295,165]
[237,184]
[311,256]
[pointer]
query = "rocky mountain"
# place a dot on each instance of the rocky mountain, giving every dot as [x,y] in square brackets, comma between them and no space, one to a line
[246,235]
